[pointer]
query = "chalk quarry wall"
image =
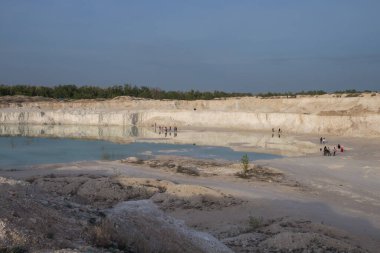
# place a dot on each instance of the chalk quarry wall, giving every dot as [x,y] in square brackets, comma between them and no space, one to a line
[359,116]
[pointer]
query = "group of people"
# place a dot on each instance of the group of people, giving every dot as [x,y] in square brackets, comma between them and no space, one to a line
[327,151]
[166,130]
[279,132]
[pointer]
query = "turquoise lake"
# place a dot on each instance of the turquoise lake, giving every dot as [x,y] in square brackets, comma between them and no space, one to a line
[20,151]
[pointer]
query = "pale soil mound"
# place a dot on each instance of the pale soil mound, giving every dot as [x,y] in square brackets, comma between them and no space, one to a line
[353,111]
[105,192]
[99,191]
[193,197]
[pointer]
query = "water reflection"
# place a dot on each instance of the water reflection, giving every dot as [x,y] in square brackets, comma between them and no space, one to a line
[237,140]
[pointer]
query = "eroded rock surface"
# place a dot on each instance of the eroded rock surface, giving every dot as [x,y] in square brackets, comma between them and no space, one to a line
[327,114]
[290,235]
[94,213]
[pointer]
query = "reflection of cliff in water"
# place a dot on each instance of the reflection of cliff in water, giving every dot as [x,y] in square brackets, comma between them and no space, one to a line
[112,133]
[240,141]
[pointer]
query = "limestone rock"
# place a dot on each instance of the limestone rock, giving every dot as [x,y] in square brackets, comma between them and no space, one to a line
[132,159]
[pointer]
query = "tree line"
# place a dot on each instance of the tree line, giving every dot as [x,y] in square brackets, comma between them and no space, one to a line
[93,92]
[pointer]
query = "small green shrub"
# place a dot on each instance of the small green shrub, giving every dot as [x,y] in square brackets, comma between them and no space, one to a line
[245,164]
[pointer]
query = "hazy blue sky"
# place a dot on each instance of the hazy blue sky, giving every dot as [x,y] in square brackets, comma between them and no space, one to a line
[240,45]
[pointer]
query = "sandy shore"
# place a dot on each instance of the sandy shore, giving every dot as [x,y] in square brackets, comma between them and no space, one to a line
[326,204]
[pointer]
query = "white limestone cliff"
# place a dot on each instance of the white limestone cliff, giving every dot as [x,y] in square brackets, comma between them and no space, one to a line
[328,114]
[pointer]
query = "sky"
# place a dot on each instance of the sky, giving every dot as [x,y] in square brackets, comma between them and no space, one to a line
[241,45]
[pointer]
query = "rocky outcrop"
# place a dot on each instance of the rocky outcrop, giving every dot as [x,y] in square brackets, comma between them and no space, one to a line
[350,116]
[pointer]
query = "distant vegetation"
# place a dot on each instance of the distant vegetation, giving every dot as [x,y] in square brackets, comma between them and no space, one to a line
[292,94]
[92,92]
[87,92]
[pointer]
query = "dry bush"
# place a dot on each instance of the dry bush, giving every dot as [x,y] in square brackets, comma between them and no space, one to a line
[255,223]
[101,235]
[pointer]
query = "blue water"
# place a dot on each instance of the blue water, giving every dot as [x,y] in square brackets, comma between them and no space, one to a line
[23,151]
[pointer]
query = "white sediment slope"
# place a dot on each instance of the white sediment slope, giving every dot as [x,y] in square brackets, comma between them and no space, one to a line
[327,114]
